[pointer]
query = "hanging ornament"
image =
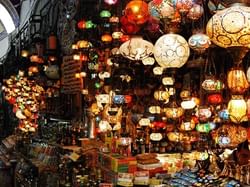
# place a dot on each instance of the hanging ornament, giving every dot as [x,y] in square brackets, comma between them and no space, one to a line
[183,6]
[237,81]
[111,2]
[136,48]
[195,12]
[171,51]
[128,27]
[137,12]
[229,27]
[199,42]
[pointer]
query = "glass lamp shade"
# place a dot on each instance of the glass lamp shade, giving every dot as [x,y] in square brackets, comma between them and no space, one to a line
[107,38]
[237,81]
[215,98]
[237,109]
[188,104]
[173,111]
[230,27]
[183,6]
[195,12]
[162,9]
[105,14]
[171,51]
[110,2]
[199,42]
[136,48]
[137,11]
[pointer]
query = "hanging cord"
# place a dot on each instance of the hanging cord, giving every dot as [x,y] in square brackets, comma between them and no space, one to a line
[210,65]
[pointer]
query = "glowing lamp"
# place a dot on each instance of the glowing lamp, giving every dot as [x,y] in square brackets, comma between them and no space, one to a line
[199,42]
[171,51]
[162,9]
[237,109]
[105,14]
[248,74]
[129,27]
[136,48]
[81,24]
[195,12]
[215,99]
[188,104]
[24,53]
[137,11]
[89,24]
[110,2]
[183,6]
[107,38]
[237,81]
[173,111]
[229,27]
[84,44]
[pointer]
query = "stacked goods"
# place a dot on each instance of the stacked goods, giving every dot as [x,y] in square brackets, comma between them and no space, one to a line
[149,162]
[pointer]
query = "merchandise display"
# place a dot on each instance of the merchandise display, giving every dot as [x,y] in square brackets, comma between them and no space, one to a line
[128,93]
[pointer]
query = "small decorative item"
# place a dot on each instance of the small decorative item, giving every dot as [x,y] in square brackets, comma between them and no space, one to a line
[205,127]
[175,136]
[163,9]
[204,113]
[199,42]
[211,84]
[137,12]
[237,81]
[188,104]
[105,14]
[136,49]
[237,109]
[171,51]
[187,125]
[156,136]
[149,61]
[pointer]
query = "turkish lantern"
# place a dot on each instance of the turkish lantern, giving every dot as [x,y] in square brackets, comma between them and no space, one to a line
[128,27]
[237,81]
[184,6]
[237,109]
[137,11]
[215,98]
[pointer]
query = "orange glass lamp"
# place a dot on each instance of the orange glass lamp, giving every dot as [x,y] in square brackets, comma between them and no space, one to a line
[106,38]
[237,81]
[237,108]
[137,11]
